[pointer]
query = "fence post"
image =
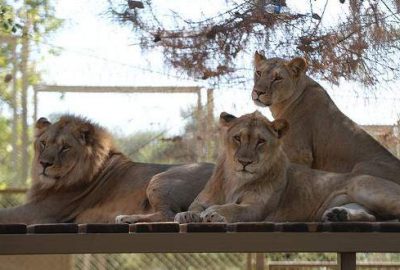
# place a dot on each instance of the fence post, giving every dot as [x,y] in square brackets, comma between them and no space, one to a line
[249,261]
[200,129]
[259,261]
[346,260]
[210,123]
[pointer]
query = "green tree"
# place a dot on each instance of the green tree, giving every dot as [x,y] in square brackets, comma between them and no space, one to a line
[7,18]
[23,26]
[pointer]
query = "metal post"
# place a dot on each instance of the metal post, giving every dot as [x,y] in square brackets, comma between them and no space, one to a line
[346,261]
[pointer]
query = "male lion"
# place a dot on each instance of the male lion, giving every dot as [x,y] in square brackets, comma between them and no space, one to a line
[254,181]
[78,175]
[320,135]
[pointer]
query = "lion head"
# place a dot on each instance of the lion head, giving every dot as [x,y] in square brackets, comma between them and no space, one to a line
[69,152]
[251,143]
[275,79]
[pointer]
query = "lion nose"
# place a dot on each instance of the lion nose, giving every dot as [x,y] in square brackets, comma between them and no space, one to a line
[245,162]
[45,164]
[256,93]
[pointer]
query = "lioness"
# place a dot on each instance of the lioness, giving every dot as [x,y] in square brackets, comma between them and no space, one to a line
[254,181]
[78,175]
[320,135]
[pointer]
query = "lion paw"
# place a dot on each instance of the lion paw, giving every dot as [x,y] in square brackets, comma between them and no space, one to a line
[212,216]
[336,214]
[130,219]
[187,217]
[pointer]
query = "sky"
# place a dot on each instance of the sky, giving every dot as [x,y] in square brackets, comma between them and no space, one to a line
[94,50]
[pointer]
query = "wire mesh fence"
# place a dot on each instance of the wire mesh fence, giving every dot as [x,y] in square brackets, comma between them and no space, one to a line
[160,261]
[12,197]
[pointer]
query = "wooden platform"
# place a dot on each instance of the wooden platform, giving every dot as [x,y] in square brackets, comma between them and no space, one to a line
[344,238]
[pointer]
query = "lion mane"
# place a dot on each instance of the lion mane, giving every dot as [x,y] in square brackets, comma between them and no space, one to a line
[79,175]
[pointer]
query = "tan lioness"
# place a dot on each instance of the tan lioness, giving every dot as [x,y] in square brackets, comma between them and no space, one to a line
[320,135]
[80,176]
[254,181]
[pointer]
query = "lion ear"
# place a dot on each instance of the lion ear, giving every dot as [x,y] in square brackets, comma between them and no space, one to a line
[298,66]
[86,133]
[225,118]
[258,58]
[281,126]
[41,125]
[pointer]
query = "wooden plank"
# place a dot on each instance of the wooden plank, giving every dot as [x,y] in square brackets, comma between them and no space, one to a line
[389,227]
[155,227]
[198,242]
[251,227]
[365,227]
[13,229]
[203,228]
[117,89]
[347,261]
[53,228]
[103,228]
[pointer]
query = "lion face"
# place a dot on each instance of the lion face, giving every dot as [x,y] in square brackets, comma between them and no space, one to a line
[69,151]
[251,143]
[275,80]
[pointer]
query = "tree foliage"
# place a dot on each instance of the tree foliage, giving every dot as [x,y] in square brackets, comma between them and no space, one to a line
[23,25]
[361,45]
[7,18]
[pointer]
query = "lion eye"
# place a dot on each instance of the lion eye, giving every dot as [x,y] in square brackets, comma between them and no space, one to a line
[42,144]
[278,78]
[260,141]
[258,73]
[65,148]
[237,138]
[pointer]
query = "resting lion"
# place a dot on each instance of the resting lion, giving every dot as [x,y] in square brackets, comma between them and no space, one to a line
[320,135]
[78,175]
[254,181]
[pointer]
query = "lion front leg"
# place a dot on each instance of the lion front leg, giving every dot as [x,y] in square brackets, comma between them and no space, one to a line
[31,213]
[211,215]
[232,213]
[193,215]
[159,216]
[187,217]
[348,212]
